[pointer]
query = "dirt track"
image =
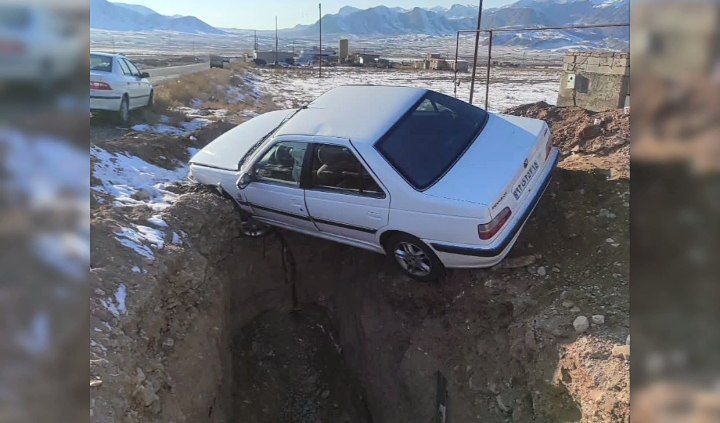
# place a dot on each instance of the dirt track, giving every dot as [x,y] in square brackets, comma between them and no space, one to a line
[208,331]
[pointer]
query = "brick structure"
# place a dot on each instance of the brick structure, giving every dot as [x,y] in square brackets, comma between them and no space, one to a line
[595,81]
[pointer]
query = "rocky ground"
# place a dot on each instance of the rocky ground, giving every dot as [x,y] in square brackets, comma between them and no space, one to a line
[190,322]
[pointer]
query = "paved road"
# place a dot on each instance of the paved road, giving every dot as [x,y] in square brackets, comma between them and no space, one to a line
[160,74]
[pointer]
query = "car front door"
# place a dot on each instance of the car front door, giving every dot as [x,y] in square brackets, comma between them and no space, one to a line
[343,198]
[275,194]
[128,82]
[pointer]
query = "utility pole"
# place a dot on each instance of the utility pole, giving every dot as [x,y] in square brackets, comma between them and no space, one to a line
[256,45]
[320,26]
[477,42]
[276,42]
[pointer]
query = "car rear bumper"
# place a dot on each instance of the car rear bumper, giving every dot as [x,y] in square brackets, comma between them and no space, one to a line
[470,256]
[109,101]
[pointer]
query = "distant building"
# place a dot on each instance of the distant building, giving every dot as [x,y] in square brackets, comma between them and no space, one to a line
[435,61]
[269,57]
[677,40]
[343,50]
[313,55]
[595,81]
[363,59]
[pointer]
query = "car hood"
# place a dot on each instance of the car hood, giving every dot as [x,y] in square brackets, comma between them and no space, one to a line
[493,160]
[226,150]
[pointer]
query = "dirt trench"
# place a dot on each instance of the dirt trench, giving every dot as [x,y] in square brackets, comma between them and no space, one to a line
[219,336]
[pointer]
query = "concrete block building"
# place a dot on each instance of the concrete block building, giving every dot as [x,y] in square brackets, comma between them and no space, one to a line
[596,81]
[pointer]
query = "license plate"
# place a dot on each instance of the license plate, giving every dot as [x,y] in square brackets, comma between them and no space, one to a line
[525,181]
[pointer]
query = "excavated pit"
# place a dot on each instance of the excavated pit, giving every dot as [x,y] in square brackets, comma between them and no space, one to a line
[222,337]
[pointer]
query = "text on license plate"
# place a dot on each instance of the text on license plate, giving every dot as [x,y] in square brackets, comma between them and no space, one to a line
[525,181]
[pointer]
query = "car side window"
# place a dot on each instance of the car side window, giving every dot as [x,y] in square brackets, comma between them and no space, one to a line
[336,168]
[133,70]
[124,67]
[282,163]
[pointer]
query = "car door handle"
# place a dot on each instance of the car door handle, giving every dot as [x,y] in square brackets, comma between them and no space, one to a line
[374,215]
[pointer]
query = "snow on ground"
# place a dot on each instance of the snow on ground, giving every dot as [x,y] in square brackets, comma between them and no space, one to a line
[141,239]
[131,181]
[185,128]
[509,86]
[116,305]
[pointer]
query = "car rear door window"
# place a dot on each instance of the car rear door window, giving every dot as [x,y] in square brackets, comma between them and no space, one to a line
[335,168]
[124,67]
[133,69]
[282,163]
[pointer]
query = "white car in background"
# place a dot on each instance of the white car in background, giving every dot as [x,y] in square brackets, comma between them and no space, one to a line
[426,178]
[116,85]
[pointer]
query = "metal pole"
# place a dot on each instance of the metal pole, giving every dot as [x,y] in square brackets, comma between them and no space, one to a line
[320,26]
[455,82]
[487,79]
[477,42]
[276,42]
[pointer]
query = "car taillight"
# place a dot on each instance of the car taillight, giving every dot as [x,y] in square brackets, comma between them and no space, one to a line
[95,85]
[488,230]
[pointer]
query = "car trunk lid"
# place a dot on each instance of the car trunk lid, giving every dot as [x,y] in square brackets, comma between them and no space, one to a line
[508,153]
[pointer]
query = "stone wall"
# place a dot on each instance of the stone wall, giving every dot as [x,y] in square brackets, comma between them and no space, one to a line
[601,80]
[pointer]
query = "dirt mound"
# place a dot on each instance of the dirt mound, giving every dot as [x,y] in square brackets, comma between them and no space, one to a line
[587,140]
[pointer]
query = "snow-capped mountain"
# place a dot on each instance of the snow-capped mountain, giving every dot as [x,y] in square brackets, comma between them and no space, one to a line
[130,17]
[440,21]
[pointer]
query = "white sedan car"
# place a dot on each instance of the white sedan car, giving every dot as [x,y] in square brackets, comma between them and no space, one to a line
[116,85]
[423,177]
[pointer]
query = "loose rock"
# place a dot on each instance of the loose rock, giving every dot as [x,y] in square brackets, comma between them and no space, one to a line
[598,319]
[581,324]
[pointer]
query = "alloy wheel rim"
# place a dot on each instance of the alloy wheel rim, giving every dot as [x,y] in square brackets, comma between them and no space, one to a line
[413,259]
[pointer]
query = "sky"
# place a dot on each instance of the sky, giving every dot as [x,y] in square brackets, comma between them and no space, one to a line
[260,14]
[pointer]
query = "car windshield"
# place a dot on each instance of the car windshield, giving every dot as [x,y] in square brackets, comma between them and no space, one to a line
[426,142]
[98,62]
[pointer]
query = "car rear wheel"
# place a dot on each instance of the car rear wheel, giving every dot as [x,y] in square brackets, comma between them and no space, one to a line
[123,115]
[415,258]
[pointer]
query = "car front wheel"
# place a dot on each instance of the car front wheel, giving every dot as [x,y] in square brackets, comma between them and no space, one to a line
[252,228]
[415,258]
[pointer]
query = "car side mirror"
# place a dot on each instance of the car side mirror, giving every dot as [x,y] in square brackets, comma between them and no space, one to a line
[244,180]
[144,75]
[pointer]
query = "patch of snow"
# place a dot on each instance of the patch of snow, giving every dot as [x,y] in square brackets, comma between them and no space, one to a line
[116,305]
[176,239]
[158,221]
[136,269]
[196,103]
[136,239]
[132,181]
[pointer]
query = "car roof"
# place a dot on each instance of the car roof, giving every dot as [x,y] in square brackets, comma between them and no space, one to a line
[100,53]
[361,113]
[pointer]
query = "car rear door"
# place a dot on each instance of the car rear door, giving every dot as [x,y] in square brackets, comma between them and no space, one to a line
[343,197]
[275,194]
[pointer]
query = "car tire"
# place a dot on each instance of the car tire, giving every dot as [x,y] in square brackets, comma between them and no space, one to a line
[123,114]
[151,100]
[251,228]
[415,258]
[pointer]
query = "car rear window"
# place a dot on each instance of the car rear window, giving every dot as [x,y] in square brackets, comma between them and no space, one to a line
[99,62]
[425,143]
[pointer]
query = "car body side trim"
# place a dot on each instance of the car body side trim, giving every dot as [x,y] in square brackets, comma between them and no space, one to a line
[492,252]
[284,213]
[344,225]
[109,97]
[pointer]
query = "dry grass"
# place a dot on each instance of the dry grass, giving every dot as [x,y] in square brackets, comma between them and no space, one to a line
[210,87]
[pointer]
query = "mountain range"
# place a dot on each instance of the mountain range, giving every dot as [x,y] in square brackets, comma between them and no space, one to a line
[382,21]
[132,17]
